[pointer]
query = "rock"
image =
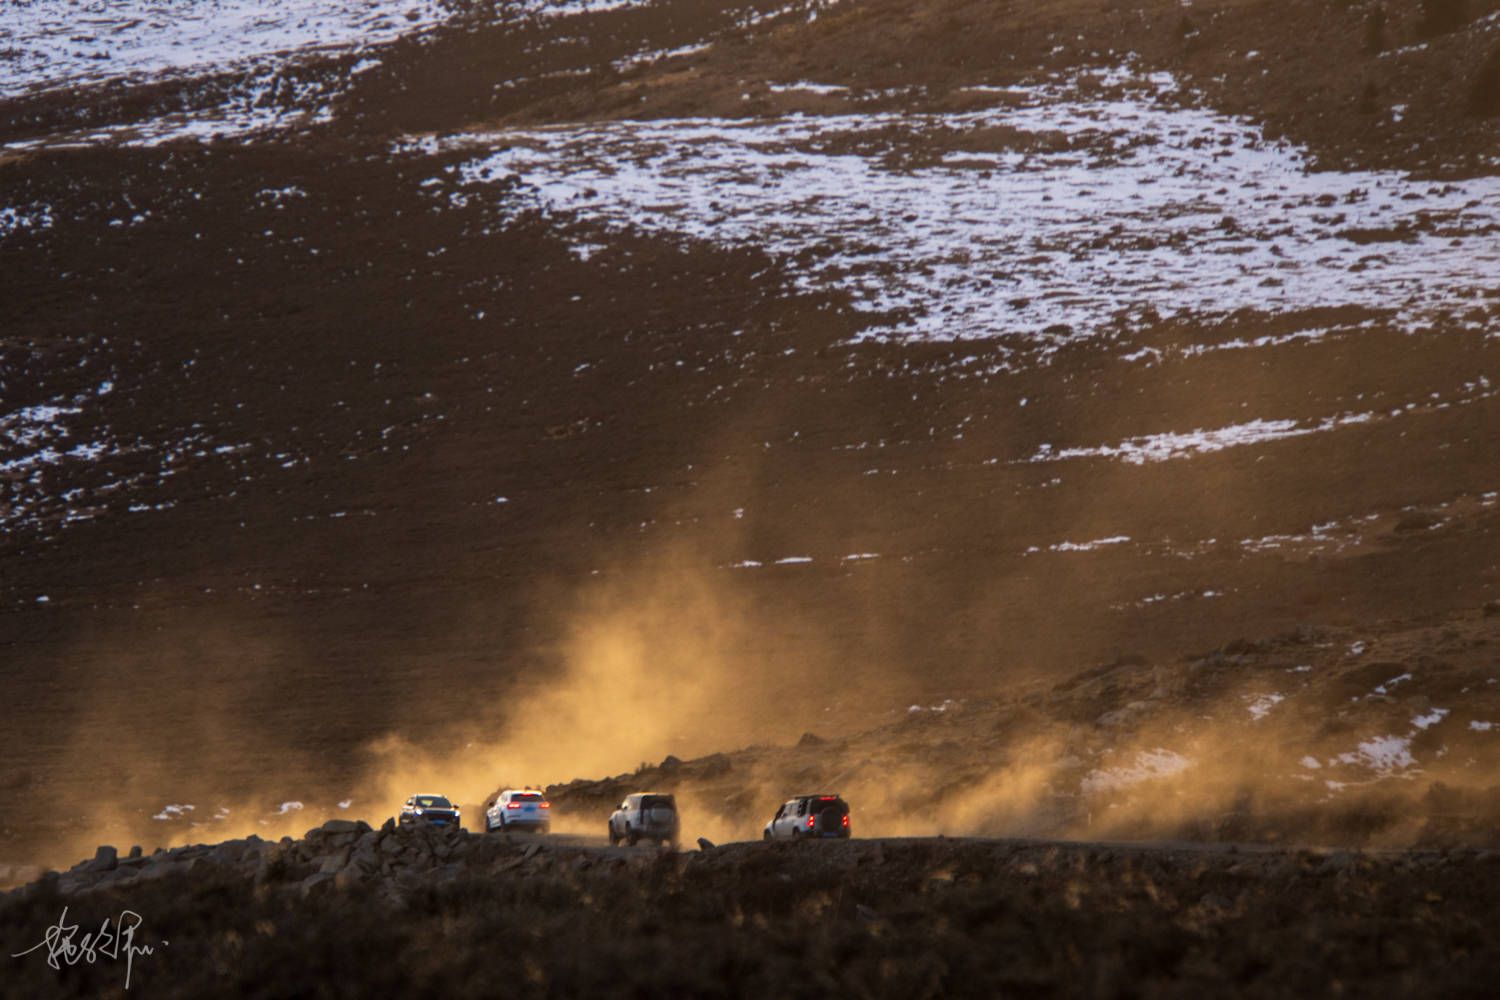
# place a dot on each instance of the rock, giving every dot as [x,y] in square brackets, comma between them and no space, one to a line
[332,863]
[408,879]
[228,853]
[532,849]
[810,740]
[135,851]
[704,844]
[365,856]
[105,860]
[670,765]
[163,869]
[316,884]
[1491,608]
[335,826]
[349,877]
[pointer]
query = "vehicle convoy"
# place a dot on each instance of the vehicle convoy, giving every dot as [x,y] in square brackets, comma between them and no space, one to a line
[645,816]
[810,816]
[426,808]
[519,809]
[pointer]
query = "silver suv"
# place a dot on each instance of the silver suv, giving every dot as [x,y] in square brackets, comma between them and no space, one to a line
[809,816]
[645,816]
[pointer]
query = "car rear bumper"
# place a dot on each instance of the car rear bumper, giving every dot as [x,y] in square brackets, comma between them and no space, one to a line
[526,825]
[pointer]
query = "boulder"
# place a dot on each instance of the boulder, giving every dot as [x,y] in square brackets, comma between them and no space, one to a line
[365,857]
[163,869]
[336,826]
[228,853]
[331,864]
[105,859]
[316,884]
[348,878]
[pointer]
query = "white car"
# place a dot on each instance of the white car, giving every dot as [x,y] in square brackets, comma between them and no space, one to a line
[519,809]
[810,816]
[645,816]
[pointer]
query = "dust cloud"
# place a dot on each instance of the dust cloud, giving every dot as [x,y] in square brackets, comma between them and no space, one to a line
[665,662]
[671,660]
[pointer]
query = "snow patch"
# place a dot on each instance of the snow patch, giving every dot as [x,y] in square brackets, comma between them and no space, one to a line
[1260,705]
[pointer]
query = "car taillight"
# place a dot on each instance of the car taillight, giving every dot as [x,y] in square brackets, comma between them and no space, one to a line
[810,820]
[545,805]
[846,819]
[513,805]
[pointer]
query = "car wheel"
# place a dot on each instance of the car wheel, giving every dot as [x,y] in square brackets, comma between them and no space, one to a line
[766,835]
[614,838]
[630,836]
[796,833]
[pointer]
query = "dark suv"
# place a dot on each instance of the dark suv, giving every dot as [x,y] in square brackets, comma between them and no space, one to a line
[428,809]
[810,816]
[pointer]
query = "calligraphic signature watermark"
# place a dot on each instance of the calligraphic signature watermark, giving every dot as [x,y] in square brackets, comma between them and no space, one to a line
[114,940]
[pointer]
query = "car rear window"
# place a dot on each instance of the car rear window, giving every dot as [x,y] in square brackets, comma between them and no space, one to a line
[527,797]
[658,802]
[837,804]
